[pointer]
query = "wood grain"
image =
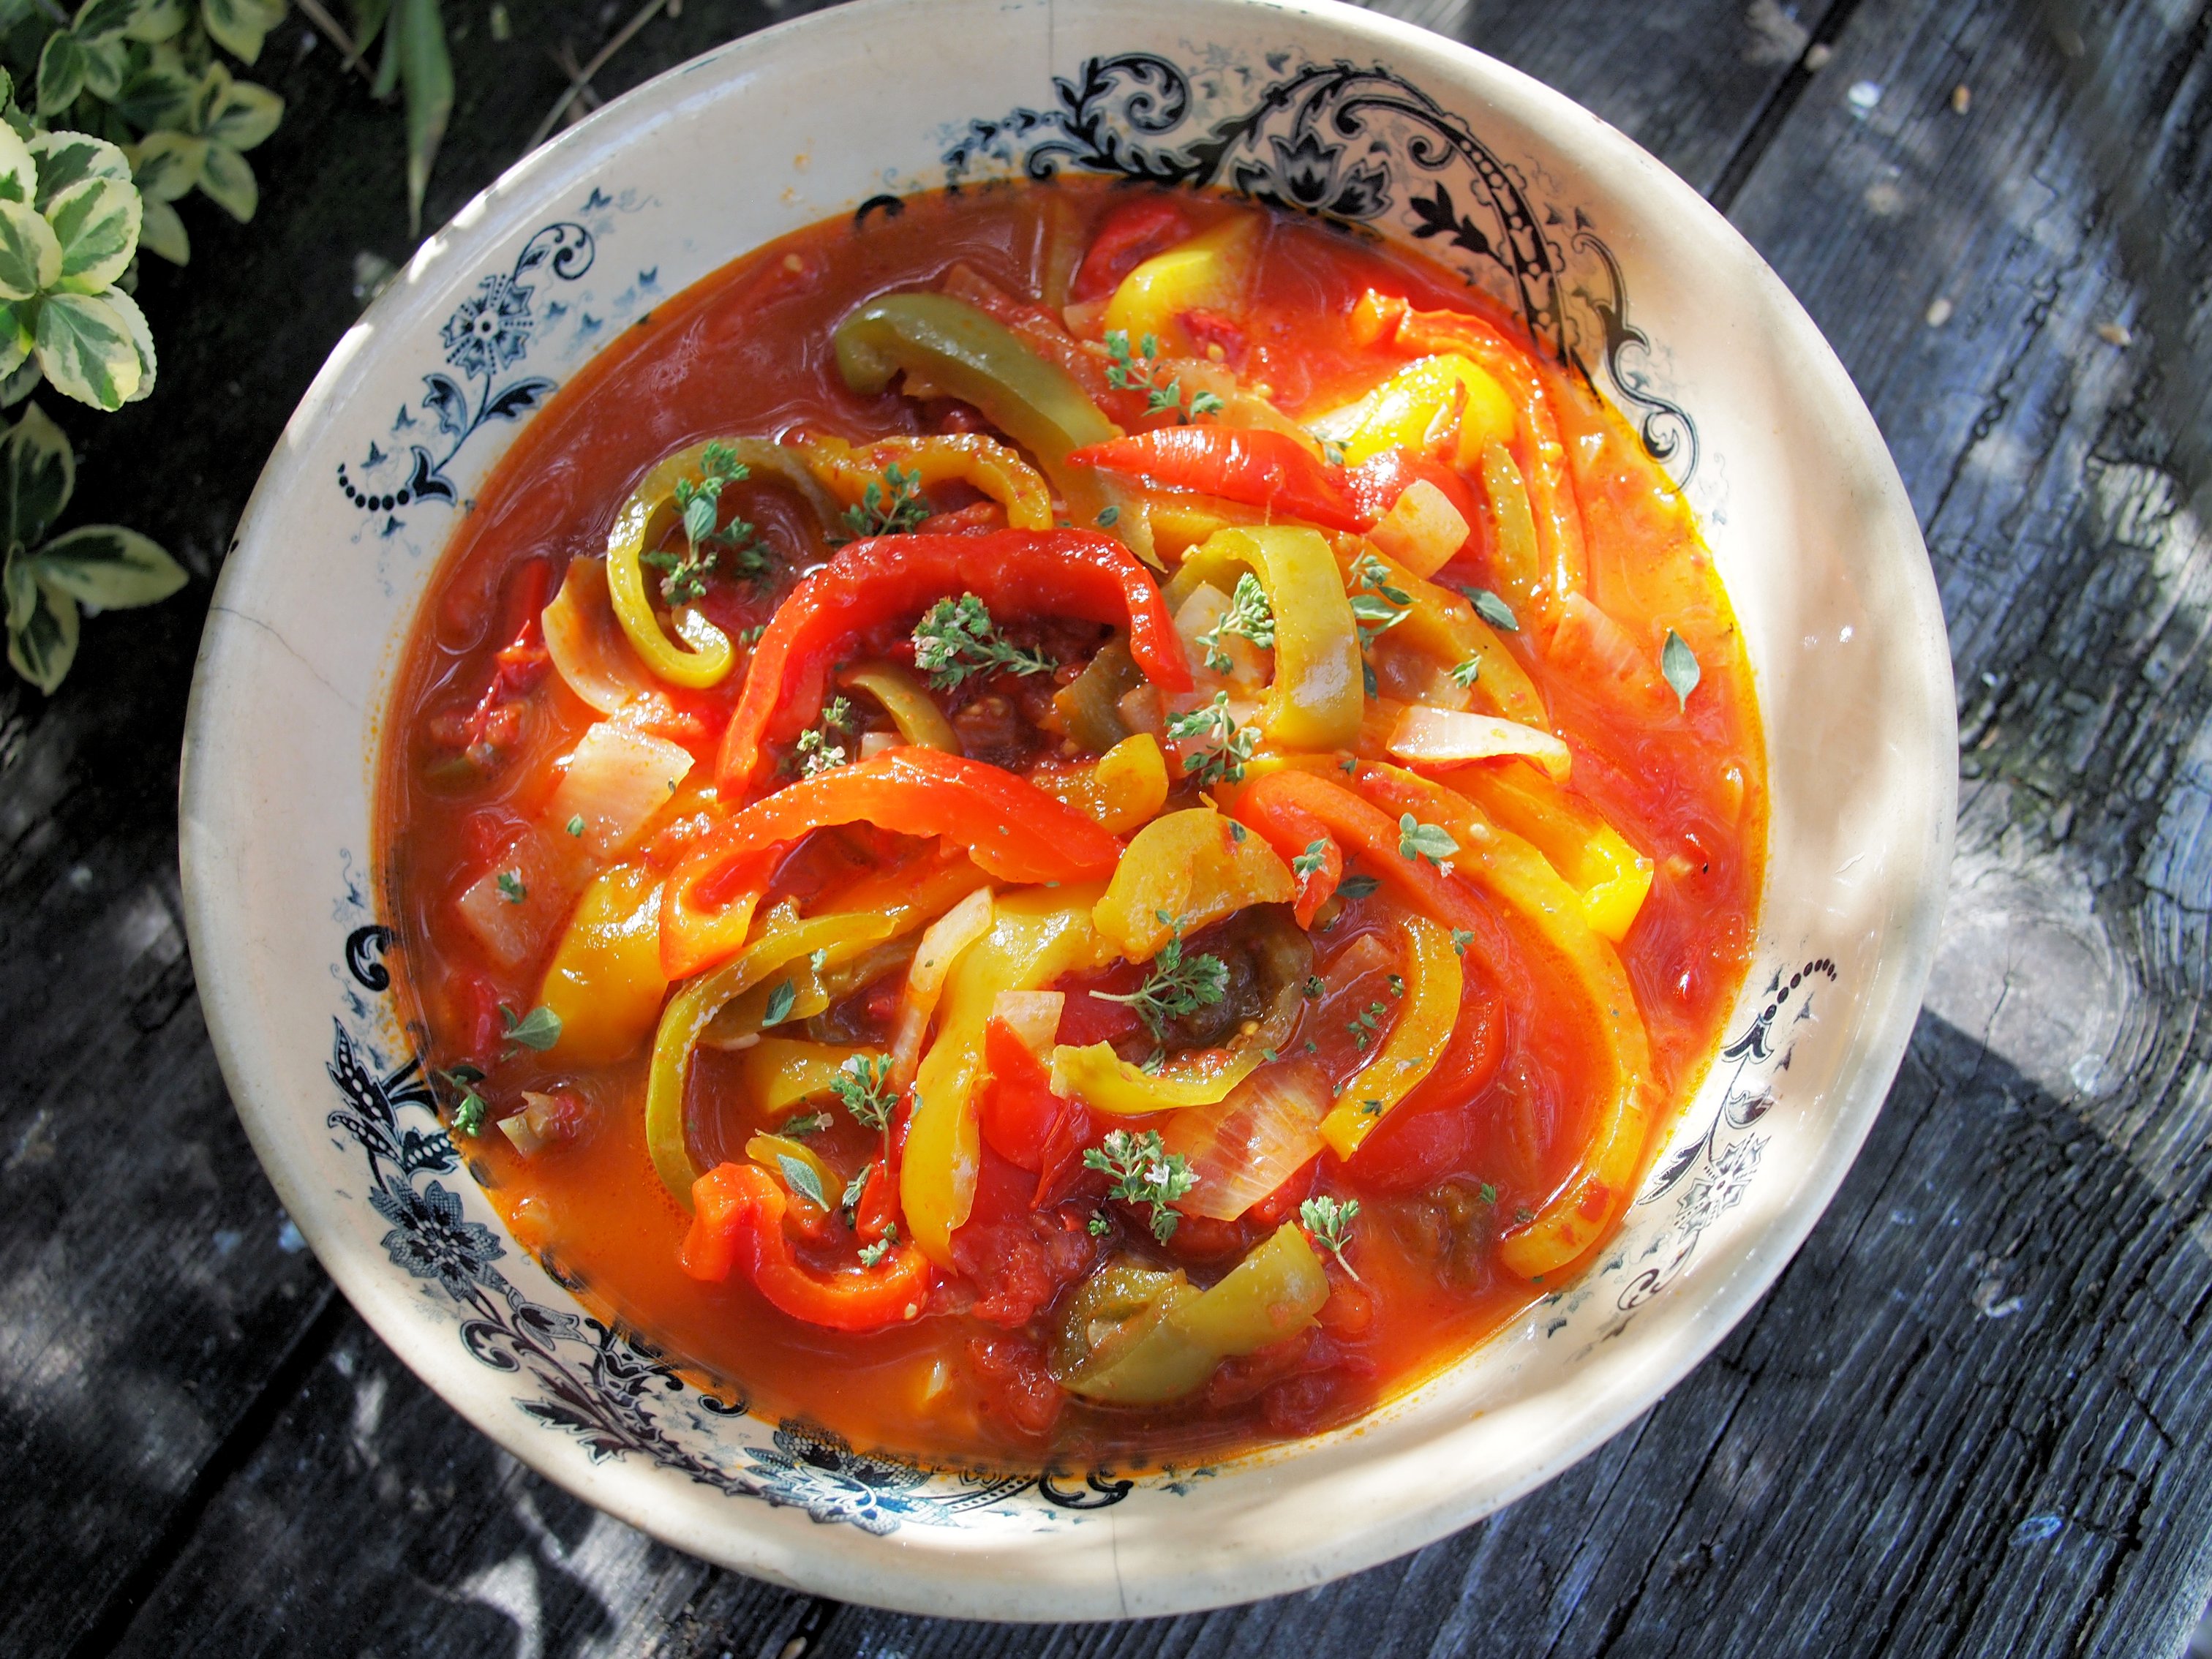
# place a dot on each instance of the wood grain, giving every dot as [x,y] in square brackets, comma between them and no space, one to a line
[1970,1417]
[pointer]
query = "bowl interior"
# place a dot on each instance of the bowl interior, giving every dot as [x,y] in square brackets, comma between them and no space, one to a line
[1320,108]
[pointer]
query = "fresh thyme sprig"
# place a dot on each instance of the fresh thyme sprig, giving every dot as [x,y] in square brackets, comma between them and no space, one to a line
[1177,986]
[817,748]
[1224,745]
[1329,1220]
[1378,606]
[1138,371]
[684,575]
[1418,841]
[1145,1172]
[1249,614]
[871,1253]
[892,511]
[470,1108]
[1309,863]
[863,1084]
[957,638]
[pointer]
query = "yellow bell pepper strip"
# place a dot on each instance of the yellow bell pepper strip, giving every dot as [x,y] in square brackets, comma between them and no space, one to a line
[968,457]
[706,657]
[1121,791]
[1516,875]
[1541,455]
[1038,934]
[1415,407]
[1426,1014]
[1015,573]
[604,983]
[1012,829]
[738,1220]
[1094,1074]
[1612,876]
[810,993]
[909,894]
[962,353]
[689,1012]
[1211,272]
[912,709]
[1444,626]
[1136,1337]
[1314,699]
[782,1073]
[1182,871]
[1515,565]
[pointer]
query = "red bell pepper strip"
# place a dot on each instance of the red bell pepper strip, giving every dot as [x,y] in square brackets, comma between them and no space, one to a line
[1131,235]
[1258,467]
[736,1219]
[1025,1123]
[1293,831]
[1013,830]
[1060,573]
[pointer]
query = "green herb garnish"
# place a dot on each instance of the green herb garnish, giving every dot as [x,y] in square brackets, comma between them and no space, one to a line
[684,575]
[1493,610]
[1177,986]
[1137,371]
[1328,1220]
[863,1084]
[1418,841]
[1249,614]
[957,638]
[779,1001]
[892,511]
[1680,665]
[1224,745]
[799,1175]
[1145,1172]
[511,888]
[539,1029]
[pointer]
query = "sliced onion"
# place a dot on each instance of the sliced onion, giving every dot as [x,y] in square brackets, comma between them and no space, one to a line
[586,644]
[1257,1137]
[1032,1016]
[1422,531]
[517,905]
[1198,615]
[942,943]
[1440,737]
[616,779]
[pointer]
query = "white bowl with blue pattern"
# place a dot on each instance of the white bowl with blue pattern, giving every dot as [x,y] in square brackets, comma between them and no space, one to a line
[1609,258]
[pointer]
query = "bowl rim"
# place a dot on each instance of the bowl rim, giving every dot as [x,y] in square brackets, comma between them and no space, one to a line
[915,1581]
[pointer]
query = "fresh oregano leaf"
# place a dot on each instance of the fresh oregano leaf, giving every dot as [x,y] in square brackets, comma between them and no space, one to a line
[1680,665]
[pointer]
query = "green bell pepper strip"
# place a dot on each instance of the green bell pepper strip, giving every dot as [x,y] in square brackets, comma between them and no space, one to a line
[958,350]
[1134,1337]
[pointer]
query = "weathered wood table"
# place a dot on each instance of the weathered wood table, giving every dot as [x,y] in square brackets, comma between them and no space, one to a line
[1975,1416]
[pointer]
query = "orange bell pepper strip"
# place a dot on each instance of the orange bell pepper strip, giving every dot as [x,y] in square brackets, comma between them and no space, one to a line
[737,1220]
[1249,465]
[1542,456]
[1016,572]
[1013,830]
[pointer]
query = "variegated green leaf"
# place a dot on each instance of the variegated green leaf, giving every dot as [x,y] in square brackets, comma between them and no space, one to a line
[30,252]
[161,232]
[161,93]
[240,26]
[85,348]
[70,158]
[16,334]
[155,21]
[227,179]
[245,115]
[97,18]
[142,337]
[107,566]
[19,173]
[38,474]
[106,61]
[23,383]
[43,648]
[61,72]
[168,165]
[21,591]
[96,222]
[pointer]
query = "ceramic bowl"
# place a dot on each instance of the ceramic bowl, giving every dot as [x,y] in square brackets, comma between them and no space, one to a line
[1322,108]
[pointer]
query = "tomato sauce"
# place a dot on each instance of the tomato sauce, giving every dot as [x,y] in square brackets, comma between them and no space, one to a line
[479,720]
